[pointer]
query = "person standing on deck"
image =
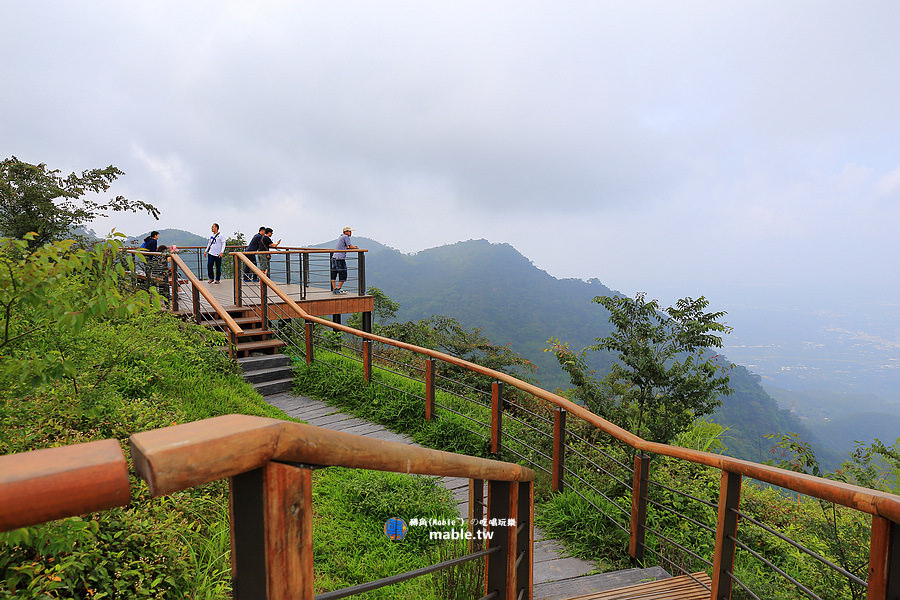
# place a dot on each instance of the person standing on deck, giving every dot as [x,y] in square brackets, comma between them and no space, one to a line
[253,246]
[214,249]
[151,242]
[265,245]
[339,261]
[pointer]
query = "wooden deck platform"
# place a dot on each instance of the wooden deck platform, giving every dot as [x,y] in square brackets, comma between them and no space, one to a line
[319,301]
[695,586]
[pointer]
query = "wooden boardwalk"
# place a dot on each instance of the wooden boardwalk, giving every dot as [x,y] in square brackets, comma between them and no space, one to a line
[557,576]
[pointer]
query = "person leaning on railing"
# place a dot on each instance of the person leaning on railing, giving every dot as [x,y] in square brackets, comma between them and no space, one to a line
[339,261]
[252,247]
[266,244]
[158,270]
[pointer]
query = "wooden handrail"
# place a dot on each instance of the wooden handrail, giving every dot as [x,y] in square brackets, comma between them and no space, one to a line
[182,456]
[43,485]
[866,500]
[229,320]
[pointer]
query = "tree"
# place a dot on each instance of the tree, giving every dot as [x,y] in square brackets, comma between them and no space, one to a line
[36,199]
[50,293]
[237,239]
[664,377]
[385,310]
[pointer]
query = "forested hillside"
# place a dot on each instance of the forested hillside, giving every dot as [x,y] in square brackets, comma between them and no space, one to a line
[494,288]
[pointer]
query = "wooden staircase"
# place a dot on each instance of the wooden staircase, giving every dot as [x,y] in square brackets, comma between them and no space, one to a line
[255,339]
[257,351]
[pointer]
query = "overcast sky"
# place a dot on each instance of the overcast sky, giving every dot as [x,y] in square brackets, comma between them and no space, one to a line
[670,147]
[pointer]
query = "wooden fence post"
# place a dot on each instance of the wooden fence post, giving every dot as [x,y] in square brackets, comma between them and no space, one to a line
[238,279]
[559,449]
[195,293]
[429,388]
[726,530]
[884,560]
[476,511]
[639,485]
[304,275]
[502,570]
[264,301]
[524,531]
[361,273]
[496,416]
[271,533]
[173,288]
[310,328]
[367,360]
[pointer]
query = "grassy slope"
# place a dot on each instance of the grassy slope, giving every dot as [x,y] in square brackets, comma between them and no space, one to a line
[141,373]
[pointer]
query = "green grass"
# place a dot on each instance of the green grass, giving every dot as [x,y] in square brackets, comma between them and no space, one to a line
[349,542]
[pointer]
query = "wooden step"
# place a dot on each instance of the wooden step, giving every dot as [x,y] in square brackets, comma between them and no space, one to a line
[256,363]
[260,345]
[239,320]
[277,386]
[548,585]
[263,375]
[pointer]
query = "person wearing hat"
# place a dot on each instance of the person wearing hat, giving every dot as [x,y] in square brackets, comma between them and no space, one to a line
[339,261]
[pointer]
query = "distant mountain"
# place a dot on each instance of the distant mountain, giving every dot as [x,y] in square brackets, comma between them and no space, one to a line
[167,237]
[495,288]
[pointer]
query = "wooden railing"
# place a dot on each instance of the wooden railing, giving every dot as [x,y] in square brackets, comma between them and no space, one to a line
[884,508]
[269,465]
[178,268]
[293,265]
[49,484]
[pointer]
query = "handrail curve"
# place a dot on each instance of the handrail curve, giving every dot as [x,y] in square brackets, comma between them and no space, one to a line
[229,320]
[195,281]
[191,454]
[873,502]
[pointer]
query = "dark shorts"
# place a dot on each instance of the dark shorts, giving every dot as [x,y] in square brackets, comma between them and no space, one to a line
[339,269]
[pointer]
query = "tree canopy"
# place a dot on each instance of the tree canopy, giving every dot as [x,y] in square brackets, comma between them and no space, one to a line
[34,198]
[664,377]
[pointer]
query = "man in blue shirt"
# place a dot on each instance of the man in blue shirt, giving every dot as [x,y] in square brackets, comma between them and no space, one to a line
[339,261]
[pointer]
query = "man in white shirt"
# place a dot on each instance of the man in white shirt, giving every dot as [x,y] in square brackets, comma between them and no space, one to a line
[214,250]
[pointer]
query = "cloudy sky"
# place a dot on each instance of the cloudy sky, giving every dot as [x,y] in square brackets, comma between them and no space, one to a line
[673,147]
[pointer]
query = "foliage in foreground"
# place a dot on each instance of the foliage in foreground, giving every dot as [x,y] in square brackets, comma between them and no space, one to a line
[129,374]
[349,543]
[81,359]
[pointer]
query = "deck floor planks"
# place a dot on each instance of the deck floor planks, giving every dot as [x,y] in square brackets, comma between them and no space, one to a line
[683,587]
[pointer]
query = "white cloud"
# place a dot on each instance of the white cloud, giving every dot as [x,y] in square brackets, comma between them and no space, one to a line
[685,144]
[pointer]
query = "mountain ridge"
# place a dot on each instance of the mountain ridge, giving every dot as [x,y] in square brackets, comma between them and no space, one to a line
[495,288]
